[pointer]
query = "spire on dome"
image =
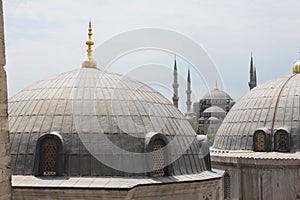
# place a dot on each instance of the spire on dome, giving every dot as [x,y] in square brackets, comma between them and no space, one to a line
[216,86]
[89,61]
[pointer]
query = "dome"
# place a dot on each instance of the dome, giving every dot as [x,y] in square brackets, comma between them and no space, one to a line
[269,114]
[214,109]
[213,119]
[216,94]
[87,110]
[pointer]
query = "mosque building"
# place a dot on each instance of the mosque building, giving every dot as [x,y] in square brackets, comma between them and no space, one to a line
[88,134]
[212,108]
[258,143]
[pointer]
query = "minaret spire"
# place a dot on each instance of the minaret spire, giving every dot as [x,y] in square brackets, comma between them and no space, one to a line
[255,79]
[252,83]
[175,84]
[188,92]
[89,61]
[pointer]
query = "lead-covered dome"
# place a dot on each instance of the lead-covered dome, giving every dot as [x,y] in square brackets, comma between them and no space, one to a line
[216,94]
[266,119]
[101,124]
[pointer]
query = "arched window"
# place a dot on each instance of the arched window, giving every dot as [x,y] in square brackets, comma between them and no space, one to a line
[158,158]
[259,141]
[281,141]
[49,154]
[227,186]
[49,157]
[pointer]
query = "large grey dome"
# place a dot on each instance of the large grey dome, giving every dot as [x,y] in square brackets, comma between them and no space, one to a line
[271,109]
[77,106]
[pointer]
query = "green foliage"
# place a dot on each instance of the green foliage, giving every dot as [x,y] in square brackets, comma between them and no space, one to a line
[211,138]
[194,125]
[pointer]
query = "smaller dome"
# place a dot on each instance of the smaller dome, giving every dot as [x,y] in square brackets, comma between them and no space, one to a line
[214,109]
[216,94]
[296,67]
[213,119]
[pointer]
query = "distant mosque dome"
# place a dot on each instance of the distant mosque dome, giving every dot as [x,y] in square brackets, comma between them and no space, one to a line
[267,118]
[214,109]
[216,93]
[214,119]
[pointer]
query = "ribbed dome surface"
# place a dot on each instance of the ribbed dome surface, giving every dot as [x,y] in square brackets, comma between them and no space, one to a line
[214,109]
[216,94]
[271,106]
[50,102]
[82,104]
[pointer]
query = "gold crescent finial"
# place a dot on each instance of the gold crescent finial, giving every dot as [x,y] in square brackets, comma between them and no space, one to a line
[216,86]
[89,61]
[296,67]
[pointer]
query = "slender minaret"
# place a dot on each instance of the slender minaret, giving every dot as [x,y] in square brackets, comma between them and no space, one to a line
[254,78]
[5,186]
[175,85]
[188,92]
[252,83]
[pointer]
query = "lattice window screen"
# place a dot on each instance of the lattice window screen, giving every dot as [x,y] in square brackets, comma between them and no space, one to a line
[260,141]
[281,141]
[49,156]
[158,158]
[227,187]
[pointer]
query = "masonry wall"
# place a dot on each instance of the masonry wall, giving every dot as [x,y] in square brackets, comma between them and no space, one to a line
[261,179]
[5,187]
[206,190]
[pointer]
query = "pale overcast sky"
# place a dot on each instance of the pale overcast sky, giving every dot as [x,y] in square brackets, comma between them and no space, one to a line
[44,38]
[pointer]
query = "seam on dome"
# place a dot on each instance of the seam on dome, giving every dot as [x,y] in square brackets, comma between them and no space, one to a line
[277,101]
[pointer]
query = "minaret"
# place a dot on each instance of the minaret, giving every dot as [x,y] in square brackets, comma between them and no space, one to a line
[89,61]
[255,77]
[252,83]
[188,92]
[175,85]
[5,186]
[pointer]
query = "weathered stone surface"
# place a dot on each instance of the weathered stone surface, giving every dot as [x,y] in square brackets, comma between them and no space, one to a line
[5,186]
[266,175]
[172,191]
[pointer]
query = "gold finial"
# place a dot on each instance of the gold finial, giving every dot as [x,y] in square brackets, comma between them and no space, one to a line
[296,67]
[89,61]
[216,87]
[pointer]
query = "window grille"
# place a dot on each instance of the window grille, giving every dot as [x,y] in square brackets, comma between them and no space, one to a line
[227,186]
[49,157]
[158,158]
[259,141]
[281,140]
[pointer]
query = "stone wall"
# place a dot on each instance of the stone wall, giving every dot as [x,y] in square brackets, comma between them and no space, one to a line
[206,190]
[261,179]
[5,187]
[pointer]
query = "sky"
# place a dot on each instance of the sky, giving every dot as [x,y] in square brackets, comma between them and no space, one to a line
[44,38]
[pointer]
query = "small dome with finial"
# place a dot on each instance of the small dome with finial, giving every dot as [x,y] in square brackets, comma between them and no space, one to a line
[89,61]
[296,67]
